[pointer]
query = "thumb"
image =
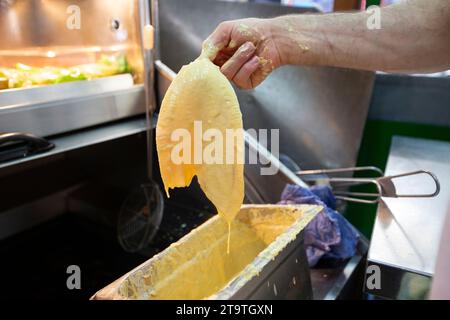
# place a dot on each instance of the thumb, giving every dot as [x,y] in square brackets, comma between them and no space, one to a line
[217,40]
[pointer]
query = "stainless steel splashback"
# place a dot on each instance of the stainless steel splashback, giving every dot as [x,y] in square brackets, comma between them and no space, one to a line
[31,23]
[69,32]
[320,112]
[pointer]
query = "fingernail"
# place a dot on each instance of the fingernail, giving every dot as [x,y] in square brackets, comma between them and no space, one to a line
[254,60]
[248,46]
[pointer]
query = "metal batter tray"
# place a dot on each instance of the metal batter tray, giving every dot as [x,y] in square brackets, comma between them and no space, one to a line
[280,271]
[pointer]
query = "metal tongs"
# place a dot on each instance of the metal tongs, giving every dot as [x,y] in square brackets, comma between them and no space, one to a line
[384,185]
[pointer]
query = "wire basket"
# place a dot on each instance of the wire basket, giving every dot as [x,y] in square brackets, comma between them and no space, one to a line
[140,217]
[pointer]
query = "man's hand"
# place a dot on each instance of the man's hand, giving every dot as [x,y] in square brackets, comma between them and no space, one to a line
[413,37]
[245,50]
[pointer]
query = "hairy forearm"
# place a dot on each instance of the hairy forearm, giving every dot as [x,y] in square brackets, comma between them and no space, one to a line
[413,37]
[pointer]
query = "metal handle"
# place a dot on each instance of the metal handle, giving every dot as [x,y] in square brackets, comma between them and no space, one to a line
[13,149]
[340,170]
[384,185]
[322,174]
[358,196]
[385,188]
[389,190]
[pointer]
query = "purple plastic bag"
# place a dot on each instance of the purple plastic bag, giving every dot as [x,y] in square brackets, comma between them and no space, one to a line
[329,235]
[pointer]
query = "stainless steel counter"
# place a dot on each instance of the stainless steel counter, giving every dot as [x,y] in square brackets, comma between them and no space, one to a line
[407,231]
[88,137]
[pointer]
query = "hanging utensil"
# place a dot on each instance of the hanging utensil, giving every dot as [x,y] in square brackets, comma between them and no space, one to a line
[384,185]
[141,213]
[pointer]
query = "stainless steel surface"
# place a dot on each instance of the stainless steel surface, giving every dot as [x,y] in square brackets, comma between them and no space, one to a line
[88,137]
[154,13]
[50,118]
[284,278]
[412,99]
[320,112]
[440,288]
[280,271]
[407,232]
[149,79]
[265,188]
[17,98]
[164,77]
[342,281]
[164,72]
[399,284]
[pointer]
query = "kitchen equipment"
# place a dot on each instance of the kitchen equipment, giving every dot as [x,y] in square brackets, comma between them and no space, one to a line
[384,185]
[140,216]
[141,213]
[312,97]
[331,283]
[42,40]
[77,116]
[22,144]
[63,34]
[278,271]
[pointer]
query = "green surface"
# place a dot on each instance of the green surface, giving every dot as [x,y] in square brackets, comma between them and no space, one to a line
[374,151]
[372,3]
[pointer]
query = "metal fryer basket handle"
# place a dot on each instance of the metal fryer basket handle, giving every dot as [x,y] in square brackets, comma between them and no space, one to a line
[384,185]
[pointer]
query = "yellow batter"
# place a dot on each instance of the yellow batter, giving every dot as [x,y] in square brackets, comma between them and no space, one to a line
[200,93]
[197,267]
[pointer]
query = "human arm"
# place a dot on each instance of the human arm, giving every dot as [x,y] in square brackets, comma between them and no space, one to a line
[414,36]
